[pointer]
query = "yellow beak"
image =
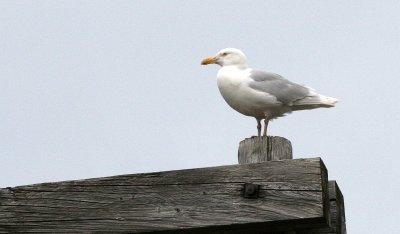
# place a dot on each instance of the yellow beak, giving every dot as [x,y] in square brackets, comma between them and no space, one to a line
[209,60]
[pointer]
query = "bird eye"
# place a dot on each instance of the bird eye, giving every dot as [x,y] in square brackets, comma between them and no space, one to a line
[224,54]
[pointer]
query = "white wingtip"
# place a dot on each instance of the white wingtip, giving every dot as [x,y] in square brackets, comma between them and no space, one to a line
[329,101]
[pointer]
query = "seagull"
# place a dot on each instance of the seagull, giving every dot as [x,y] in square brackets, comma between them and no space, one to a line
[261,94]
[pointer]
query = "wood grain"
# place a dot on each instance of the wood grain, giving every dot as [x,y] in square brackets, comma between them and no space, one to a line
[338,220]
[204,200]
[256,149]
[272,148]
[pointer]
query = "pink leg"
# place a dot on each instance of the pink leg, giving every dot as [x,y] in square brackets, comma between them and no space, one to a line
[266,120]
[259,127]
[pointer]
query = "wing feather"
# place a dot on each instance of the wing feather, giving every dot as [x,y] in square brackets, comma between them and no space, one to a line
[285,91]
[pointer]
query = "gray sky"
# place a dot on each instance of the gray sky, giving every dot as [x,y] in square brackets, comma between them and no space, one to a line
[102,88]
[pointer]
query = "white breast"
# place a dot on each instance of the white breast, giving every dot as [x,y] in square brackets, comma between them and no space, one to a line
[233,85]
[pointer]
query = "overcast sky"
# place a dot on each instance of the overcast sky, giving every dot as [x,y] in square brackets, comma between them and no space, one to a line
[101,88]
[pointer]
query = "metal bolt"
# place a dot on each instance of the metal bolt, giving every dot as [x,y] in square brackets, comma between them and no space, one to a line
[251,190]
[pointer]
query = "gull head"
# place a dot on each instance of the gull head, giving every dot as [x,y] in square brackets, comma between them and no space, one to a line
[227,57]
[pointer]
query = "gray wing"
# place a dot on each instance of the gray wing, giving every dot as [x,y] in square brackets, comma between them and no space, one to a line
[284,90]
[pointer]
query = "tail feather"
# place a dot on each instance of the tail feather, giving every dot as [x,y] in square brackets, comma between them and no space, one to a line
[315,101]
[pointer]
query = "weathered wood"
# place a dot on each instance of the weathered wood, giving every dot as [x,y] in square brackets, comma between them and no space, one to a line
[206,200]
[271,148]
[338,220]
[255,149]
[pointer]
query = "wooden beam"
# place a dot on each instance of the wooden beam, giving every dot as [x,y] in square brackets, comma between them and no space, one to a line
[338,220]
[208,200]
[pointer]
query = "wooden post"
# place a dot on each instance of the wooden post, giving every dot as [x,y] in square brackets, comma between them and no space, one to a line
[271,148]
[257,150]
